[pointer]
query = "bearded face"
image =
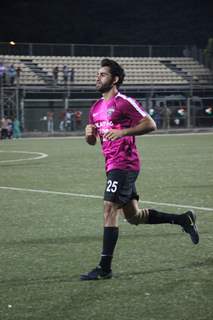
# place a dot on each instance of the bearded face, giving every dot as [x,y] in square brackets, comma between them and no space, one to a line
[104,80]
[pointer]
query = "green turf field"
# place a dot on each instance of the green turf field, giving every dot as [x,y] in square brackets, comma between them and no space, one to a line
[47,239]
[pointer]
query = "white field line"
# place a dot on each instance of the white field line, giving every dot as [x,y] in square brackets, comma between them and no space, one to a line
[81,195]
[38,155]
[144,136]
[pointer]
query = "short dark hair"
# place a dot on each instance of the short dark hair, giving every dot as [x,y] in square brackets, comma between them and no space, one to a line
[115,69]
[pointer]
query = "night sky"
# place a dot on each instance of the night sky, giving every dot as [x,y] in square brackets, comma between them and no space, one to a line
[156,22]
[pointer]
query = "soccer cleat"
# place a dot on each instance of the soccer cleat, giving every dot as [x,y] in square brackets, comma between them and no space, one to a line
[190,227]
[96,274]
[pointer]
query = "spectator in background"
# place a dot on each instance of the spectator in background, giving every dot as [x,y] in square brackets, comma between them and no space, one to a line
[16,128]
[62,116]
[2,73]
[65,74]
[69,120]
[9,128]
[6,128]
[55,75]
[166,113]
[11,74]
[3,125]
[78,119]
[72,75]
[157,116]
[50,121]
[18,75]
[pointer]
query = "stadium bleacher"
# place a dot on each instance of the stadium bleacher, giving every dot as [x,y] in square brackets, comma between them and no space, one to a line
[37,70]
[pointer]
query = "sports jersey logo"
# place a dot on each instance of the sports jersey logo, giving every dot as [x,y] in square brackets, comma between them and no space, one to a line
[102,124]
[110,111]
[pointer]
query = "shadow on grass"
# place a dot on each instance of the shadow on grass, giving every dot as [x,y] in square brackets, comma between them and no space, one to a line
[15,282]
[194,265]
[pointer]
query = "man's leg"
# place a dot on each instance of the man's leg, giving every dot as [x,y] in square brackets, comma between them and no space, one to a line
[135,215]
[118,190]
[110,237]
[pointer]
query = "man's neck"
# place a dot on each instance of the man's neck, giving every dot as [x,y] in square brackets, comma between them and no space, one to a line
[111,93]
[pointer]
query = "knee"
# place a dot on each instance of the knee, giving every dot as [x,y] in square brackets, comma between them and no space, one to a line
[140,217]
[109,209]
[110,213]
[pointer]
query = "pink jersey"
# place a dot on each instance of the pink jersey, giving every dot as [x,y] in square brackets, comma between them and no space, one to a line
[118,113]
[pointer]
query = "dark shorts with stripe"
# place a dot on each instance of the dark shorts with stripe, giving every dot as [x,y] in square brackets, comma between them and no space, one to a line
[120,186]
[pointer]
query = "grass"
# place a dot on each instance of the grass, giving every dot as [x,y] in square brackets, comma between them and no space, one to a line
[47,240]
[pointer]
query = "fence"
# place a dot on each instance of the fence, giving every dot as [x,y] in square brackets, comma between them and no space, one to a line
[111,50]
[70,116]
[169,112]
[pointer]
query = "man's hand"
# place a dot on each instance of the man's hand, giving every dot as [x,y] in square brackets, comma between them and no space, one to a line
[90,130]
[90,134]
[114,134]
[145,126]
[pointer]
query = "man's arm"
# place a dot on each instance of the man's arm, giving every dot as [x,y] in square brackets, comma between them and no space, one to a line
[146,125]
[90,134]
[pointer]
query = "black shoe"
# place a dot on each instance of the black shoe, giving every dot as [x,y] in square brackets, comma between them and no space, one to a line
[96,274]
[190,227]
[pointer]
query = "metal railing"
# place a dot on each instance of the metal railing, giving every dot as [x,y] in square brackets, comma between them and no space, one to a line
[111,50]
[171,112]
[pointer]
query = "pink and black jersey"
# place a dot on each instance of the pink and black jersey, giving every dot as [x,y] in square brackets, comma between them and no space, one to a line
[119,112]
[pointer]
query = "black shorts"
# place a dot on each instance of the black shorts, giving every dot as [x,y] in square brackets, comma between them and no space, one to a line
[120,186]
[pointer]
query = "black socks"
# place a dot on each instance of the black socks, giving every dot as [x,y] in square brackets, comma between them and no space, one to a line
[156,217]
[110,238]
[110,235]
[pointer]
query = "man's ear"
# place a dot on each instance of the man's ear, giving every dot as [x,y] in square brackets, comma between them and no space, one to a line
[116,79]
